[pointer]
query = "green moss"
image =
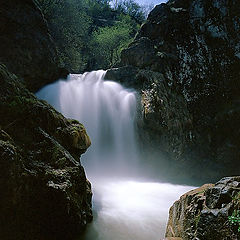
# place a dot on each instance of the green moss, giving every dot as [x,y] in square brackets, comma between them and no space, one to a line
[236,198]
[234,219]
[197,219]
[61,162]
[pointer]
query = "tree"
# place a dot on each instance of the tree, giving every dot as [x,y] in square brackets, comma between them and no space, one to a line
[70,26]
[108,42]
[47,5]
[131,8]
[89,34]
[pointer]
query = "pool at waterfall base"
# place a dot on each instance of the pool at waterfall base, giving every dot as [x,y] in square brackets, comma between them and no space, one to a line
[126,205]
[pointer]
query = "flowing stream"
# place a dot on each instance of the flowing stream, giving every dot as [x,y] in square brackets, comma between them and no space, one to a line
[126,207]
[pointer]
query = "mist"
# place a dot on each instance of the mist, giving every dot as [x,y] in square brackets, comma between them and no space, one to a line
[128,204]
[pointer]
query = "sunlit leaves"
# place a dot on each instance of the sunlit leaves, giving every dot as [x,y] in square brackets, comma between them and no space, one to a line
[108,42]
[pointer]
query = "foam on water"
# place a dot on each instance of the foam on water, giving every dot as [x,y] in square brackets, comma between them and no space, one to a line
[124,209]
[107,111]
[130,210]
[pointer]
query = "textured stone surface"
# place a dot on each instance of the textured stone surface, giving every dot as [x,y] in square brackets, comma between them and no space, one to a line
[44,190]
[25,44]
[186,70]
[203,213]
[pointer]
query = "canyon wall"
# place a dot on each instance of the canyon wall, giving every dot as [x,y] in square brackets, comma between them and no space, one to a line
[184,63]
[44,190]
[26,46]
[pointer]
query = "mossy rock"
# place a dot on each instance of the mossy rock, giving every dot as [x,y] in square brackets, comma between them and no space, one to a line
[44,190]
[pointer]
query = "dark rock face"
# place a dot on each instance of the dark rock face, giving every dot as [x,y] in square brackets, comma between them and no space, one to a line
[25,44]
[44,190]
[189,50]
[203,213]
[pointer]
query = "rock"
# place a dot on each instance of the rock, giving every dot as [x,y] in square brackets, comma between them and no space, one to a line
[204,213]
[140,53]
[73,137]
[194,106]
[173,238]
[44,190]
[26,46]
[124,75]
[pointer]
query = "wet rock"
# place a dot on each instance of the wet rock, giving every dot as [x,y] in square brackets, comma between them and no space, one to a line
[173,238]
[139,53]
[125,75]
[194,46]
[44,190]
[76,136]
[204,212]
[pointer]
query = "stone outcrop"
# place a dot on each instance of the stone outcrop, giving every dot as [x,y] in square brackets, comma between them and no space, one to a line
[185,64]
[25,44]
[204,213]
[44,190]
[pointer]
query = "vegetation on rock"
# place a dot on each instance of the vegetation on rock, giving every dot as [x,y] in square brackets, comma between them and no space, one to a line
[44,190]
[189,51]
[204,212]
[90,34]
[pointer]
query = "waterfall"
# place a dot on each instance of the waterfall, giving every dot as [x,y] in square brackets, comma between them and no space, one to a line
[124,208]
[107,110]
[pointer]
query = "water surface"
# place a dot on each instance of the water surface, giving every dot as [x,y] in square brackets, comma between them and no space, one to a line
[125,207]
[131,210]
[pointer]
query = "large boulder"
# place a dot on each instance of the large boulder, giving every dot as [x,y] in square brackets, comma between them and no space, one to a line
[186,70]
[205,213]
[25,44]
[44,190]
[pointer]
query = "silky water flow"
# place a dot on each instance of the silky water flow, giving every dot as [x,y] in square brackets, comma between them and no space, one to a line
[125,208]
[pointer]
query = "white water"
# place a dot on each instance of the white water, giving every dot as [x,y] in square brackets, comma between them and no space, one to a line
[131,210]
[125,209]
[107,111]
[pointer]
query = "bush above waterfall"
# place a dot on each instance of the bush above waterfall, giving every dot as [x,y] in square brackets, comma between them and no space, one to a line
[108,42]
[83,30]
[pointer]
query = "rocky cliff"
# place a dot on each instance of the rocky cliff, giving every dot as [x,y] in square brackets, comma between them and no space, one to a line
[44,190]
[185,64]
[25,44]
[206,213]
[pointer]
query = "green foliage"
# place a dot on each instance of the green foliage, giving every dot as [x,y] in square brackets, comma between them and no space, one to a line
[108,42]
[131,8]
[234,219]
[90,34]
[98,8]
[47,5]
[70,25]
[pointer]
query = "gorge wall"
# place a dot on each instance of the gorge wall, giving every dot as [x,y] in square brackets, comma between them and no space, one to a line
[26,46]
[185,63]
[44,190]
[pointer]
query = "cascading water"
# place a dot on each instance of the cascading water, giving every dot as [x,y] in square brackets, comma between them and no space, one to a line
[107,111]
[125,209]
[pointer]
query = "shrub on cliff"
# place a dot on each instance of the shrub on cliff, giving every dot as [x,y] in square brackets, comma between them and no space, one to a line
[80,29]
[108,42]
